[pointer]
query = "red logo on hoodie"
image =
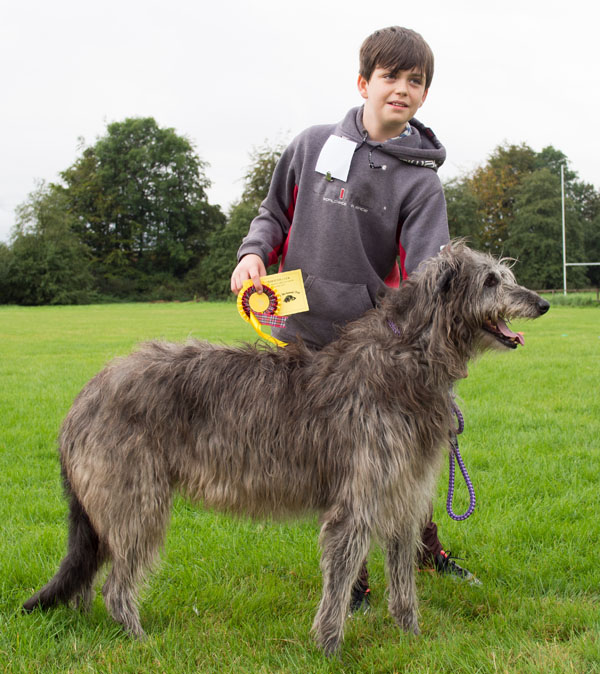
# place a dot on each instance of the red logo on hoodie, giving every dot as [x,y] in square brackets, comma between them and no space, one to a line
[342,192]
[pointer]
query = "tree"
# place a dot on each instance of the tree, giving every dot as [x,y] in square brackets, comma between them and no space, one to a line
[535,239]
[5,263]
[139,198]
[512,206]
[495,186]
[582,204]
[47,263]
[257,179]
[463,211]
[211,276]
[586,201]
[592,249]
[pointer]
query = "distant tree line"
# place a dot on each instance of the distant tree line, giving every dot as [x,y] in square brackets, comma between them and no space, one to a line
[130,220]
[512,206]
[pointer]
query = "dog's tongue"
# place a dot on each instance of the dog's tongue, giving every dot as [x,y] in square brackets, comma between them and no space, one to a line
[507,332]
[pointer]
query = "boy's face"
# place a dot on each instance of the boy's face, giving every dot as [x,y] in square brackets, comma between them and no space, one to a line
[391,100]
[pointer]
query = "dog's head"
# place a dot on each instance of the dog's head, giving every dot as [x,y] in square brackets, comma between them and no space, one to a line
[460,303]
[483,294]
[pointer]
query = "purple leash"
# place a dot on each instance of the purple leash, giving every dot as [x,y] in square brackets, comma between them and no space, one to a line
[455,453]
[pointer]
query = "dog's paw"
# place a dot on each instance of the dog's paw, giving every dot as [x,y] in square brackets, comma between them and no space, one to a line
[328,638]
[408,622]
[329,646]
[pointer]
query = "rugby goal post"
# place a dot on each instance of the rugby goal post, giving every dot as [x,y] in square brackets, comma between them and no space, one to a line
[564,236]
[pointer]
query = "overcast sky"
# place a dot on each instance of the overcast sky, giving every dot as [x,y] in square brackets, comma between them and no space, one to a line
[230,75]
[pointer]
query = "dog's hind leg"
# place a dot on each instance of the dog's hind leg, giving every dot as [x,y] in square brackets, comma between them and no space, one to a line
[120,595]
[345,542]
[401,549]
[134,544]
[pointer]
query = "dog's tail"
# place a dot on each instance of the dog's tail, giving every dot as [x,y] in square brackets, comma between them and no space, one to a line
[77,570]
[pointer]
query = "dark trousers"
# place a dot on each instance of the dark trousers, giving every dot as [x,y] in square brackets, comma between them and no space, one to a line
[431,544]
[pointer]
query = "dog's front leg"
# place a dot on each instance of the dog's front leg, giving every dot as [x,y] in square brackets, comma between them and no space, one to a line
[345,543]
[401,550]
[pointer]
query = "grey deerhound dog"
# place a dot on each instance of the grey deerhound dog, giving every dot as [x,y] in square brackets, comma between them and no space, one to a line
[354,432]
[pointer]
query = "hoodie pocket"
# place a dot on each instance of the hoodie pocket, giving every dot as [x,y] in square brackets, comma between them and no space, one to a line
[331,304]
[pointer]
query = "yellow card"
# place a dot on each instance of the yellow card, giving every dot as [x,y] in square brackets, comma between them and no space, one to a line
[290,287]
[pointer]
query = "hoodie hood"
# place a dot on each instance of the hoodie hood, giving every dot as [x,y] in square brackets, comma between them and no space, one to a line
[420,148]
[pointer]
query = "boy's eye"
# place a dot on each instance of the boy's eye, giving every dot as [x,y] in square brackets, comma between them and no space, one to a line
[416,80]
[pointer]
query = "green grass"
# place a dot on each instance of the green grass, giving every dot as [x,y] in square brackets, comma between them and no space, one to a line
[239,596]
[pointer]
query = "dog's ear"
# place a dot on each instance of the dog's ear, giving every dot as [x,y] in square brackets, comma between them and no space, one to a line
[444,283]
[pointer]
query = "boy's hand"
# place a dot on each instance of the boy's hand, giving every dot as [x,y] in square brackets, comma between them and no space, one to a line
[249,267]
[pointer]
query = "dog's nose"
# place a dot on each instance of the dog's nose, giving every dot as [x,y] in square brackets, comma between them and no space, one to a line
[543,306]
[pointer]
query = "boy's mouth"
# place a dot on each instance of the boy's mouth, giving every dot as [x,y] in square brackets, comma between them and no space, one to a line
[398,104]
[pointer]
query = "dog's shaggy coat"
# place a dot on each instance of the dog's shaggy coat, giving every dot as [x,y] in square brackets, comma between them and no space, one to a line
[354,432]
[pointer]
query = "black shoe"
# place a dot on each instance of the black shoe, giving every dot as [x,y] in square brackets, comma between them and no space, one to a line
[359,600]
[444,563]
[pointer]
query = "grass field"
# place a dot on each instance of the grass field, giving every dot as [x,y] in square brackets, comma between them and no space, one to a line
[240,596]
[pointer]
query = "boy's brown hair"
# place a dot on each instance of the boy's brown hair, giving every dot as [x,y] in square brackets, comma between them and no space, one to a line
[396,48]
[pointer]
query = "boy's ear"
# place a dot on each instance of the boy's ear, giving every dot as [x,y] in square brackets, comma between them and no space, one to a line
[363,88]
[424,97]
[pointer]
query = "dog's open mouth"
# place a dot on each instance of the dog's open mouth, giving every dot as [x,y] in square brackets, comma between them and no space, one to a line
[503,333]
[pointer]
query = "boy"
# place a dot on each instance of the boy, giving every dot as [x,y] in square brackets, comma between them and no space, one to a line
[347,200]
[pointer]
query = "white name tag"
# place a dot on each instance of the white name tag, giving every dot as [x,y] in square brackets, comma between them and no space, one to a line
[336,157]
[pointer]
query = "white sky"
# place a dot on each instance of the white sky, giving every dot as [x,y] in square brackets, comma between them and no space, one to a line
[230,74]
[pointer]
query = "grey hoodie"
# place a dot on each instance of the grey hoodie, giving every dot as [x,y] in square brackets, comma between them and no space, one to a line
[346,236]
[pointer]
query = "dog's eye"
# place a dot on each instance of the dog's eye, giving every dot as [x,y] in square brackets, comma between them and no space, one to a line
[491,281]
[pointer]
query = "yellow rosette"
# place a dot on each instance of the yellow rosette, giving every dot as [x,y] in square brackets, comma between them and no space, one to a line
[261,309]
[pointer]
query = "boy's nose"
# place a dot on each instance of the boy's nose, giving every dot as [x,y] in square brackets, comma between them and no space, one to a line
[401,85]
